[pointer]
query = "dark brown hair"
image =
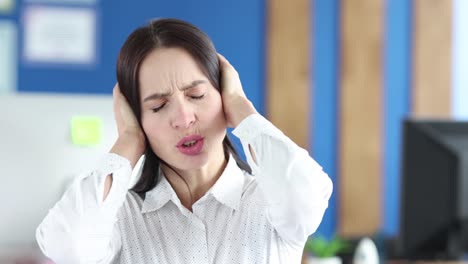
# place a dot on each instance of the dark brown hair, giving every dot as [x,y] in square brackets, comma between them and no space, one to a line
[165,33]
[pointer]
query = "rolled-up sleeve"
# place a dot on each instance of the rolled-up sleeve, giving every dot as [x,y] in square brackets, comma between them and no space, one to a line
[295,186]
[80,228]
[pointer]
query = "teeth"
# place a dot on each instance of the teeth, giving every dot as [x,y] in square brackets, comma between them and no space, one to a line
[189,143]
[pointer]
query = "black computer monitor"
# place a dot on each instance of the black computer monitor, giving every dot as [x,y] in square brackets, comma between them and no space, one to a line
[434,190]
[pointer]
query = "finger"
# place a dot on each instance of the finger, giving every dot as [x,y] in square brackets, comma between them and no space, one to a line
[118,95]
[226,66]
[221,57]
[223,60]
[116,90]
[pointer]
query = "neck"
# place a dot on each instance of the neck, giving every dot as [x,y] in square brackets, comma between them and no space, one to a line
[191,185]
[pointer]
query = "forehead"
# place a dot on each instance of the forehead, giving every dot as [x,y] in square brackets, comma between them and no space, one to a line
[168,68]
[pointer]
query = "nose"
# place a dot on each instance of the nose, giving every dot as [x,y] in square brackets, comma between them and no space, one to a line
[183,117]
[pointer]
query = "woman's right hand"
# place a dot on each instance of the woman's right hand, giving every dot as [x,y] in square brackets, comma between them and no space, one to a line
[126,120]
[131,141]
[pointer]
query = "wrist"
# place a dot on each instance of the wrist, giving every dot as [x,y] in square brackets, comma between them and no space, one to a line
[245,109]
[130,146]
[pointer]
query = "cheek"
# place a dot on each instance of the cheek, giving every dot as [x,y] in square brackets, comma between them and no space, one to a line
[152,129]
[156,135]
[215,112]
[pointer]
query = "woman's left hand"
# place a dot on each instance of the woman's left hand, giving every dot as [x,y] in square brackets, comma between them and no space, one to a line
[235,103]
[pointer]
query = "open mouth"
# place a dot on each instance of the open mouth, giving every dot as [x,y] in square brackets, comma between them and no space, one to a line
[191,145]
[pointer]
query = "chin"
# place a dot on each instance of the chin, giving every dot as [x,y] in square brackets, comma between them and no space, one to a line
[186,163]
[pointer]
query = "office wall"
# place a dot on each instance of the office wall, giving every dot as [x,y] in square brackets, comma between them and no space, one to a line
[360,98]
[395,65]
[37,158]
[324,124]
[396,106]
[422,76]
[403,65]
[460,59]
[240,40]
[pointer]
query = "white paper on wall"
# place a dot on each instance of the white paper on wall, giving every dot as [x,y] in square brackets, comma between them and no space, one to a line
[59,35]
[63,1]
[6,6]
[8,58]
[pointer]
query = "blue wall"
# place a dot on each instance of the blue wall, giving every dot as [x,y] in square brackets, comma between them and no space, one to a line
[325,102]
[241,40]
[324,110]
[397,90]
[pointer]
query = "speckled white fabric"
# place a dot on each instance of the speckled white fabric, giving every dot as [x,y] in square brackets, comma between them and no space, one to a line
[265,218]
[228,225]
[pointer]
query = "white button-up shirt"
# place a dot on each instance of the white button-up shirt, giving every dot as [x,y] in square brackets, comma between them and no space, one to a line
[264,218]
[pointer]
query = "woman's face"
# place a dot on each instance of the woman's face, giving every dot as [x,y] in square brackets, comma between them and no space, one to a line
[182,113]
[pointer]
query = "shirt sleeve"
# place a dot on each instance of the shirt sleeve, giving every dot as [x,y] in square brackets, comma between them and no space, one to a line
[295,186]
[80,228]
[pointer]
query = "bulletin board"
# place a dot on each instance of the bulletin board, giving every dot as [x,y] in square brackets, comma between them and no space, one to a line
[236,27]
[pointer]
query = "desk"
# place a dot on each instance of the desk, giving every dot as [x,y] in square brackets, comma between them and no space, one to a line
[424,262]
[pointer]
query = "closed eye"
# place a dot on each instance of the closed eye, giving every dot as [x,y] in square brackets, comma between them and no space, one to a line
[197,97]
[158,108]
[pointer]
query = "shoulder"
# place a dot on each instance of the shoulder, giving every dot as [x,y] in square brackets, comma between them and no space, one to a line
[132,204]
[251,192]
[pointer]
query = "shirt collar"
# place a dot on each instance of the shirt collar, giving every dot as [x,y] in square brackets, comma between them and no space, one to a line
[226,190]
[159,195]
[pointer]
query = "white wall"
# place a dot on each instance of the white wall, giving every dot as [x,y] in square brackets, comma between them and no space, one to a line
[460,60]
[37,158]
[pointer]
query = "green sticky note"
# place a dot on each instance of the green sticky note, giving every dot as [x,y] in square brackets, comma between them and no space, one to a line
[86,130]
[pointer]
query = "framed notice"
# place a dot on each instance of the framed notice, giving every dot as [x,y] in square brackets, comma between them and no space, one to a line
[59,35]
[62,2]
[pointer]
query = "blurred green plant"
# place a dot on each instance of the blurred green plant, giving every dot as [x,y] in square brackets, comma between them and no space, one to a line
[320,247]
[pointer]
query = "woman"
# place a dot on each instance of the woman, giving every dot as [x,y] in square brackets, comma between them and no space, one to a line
[196,201]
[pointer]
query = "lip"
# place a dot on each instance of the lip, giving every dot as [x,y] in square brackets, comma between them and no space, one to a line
[194,149]
[189,138]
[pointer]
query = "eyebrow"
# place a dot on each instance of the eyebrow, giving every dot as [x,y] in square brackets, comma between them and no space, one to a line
[161,95]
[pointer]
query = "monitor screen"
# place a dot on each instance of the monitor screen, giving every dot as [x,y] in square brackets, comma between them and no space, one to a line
[434,189]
